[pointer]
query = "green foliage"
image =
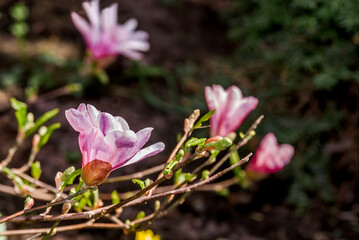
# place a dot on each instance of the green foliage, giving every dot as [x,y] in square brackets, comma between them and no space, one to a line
[68,176]
[141,183]
[307,39]
[297,53]
[36,170]
[114,197]
[205,118]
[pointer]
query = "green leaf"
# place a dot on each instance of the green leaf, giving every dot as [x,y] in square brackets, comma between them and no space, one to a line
[238,171]
[178,177]
[190,177]
[69,176]
[139,182]
[20,111]
[205,174]
[140,215]
[41,120]
[195,142]
[114,197]
[45,138]
[223,192]
[19,12]
[36,170]
[220,144]
[206,117]
[18,181]
[3,229]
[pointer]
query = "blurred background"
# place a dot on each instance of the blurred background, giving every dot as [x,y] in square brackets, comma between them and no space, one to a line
[298,57]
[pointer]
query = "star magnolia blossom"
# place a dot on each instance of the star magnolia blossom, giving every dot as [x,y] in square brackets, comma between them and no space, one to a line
[104,37]
[270,156]
[231,108]
[107,143]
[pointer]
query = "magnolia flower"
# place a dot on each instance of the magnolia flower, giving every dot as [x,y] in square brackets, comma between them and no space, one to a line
[104,37]
[231,108]
[270,156]
[107,143]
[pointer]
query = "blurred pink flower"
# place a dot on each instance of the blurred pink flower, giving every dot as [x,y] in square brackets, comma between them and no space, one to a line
[104,37]
[231,108]
[107,143]
[270,156]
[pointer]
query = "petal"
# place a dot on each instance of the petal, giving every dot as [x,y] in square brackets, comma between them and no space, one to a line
[82,108]
[142,137]
[130,24]
[82,26]
[109,17]
[78,121]
[285,153]
[121,139]
[145,153]
[137,45]
[92,114]
[93,12]
[106,123]
[122,123]
[233,119]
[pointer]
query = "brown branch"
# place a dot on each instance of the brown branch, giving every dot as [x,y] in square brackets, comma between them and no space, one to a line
[7,218]
[135,175]
[94,214]
[188,125]
[86,225]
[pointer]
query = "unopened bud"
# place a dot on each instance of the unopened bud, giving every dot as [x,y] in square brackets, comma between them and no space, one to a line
[42,130]
[58,180]
[30,117]
[95,172]
[29,202]
[35,142]
[66,208]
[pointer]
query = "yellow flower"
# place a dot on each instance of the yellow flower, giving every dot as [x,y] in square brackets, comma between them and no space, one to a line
[147,235]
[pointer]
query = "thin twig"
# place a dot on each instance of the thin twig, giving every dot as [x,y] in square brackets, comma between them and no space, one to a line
[7,218]
[188,126]
[86,225]
[135,175]
[94,214]
[239,144]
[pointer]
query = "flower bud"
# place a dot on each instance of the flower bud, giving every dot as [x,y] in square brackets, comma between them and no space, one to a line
[29,202]
[58,181]
[95,172]
[35,142]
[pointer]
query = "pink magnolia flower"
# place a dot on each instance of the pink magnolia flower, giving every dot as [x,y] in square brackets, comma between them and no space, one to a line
[104,37]
[231,108]
[107,143]
[270,156]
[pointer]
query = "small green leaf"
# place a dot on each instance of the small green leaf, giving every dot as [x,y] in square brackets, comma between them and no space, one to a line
[206,117]
[179,155]
[205,174]
[19,12]
[140,215]
[114,197]
[147,182]
[69,176]
[171,165]
[178,177]
[17,180]
[190,177]
[139,182]
[36,170]
[220,144]
[41,120]
[20,112]
[45,138]
[223,192]
[195,142]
